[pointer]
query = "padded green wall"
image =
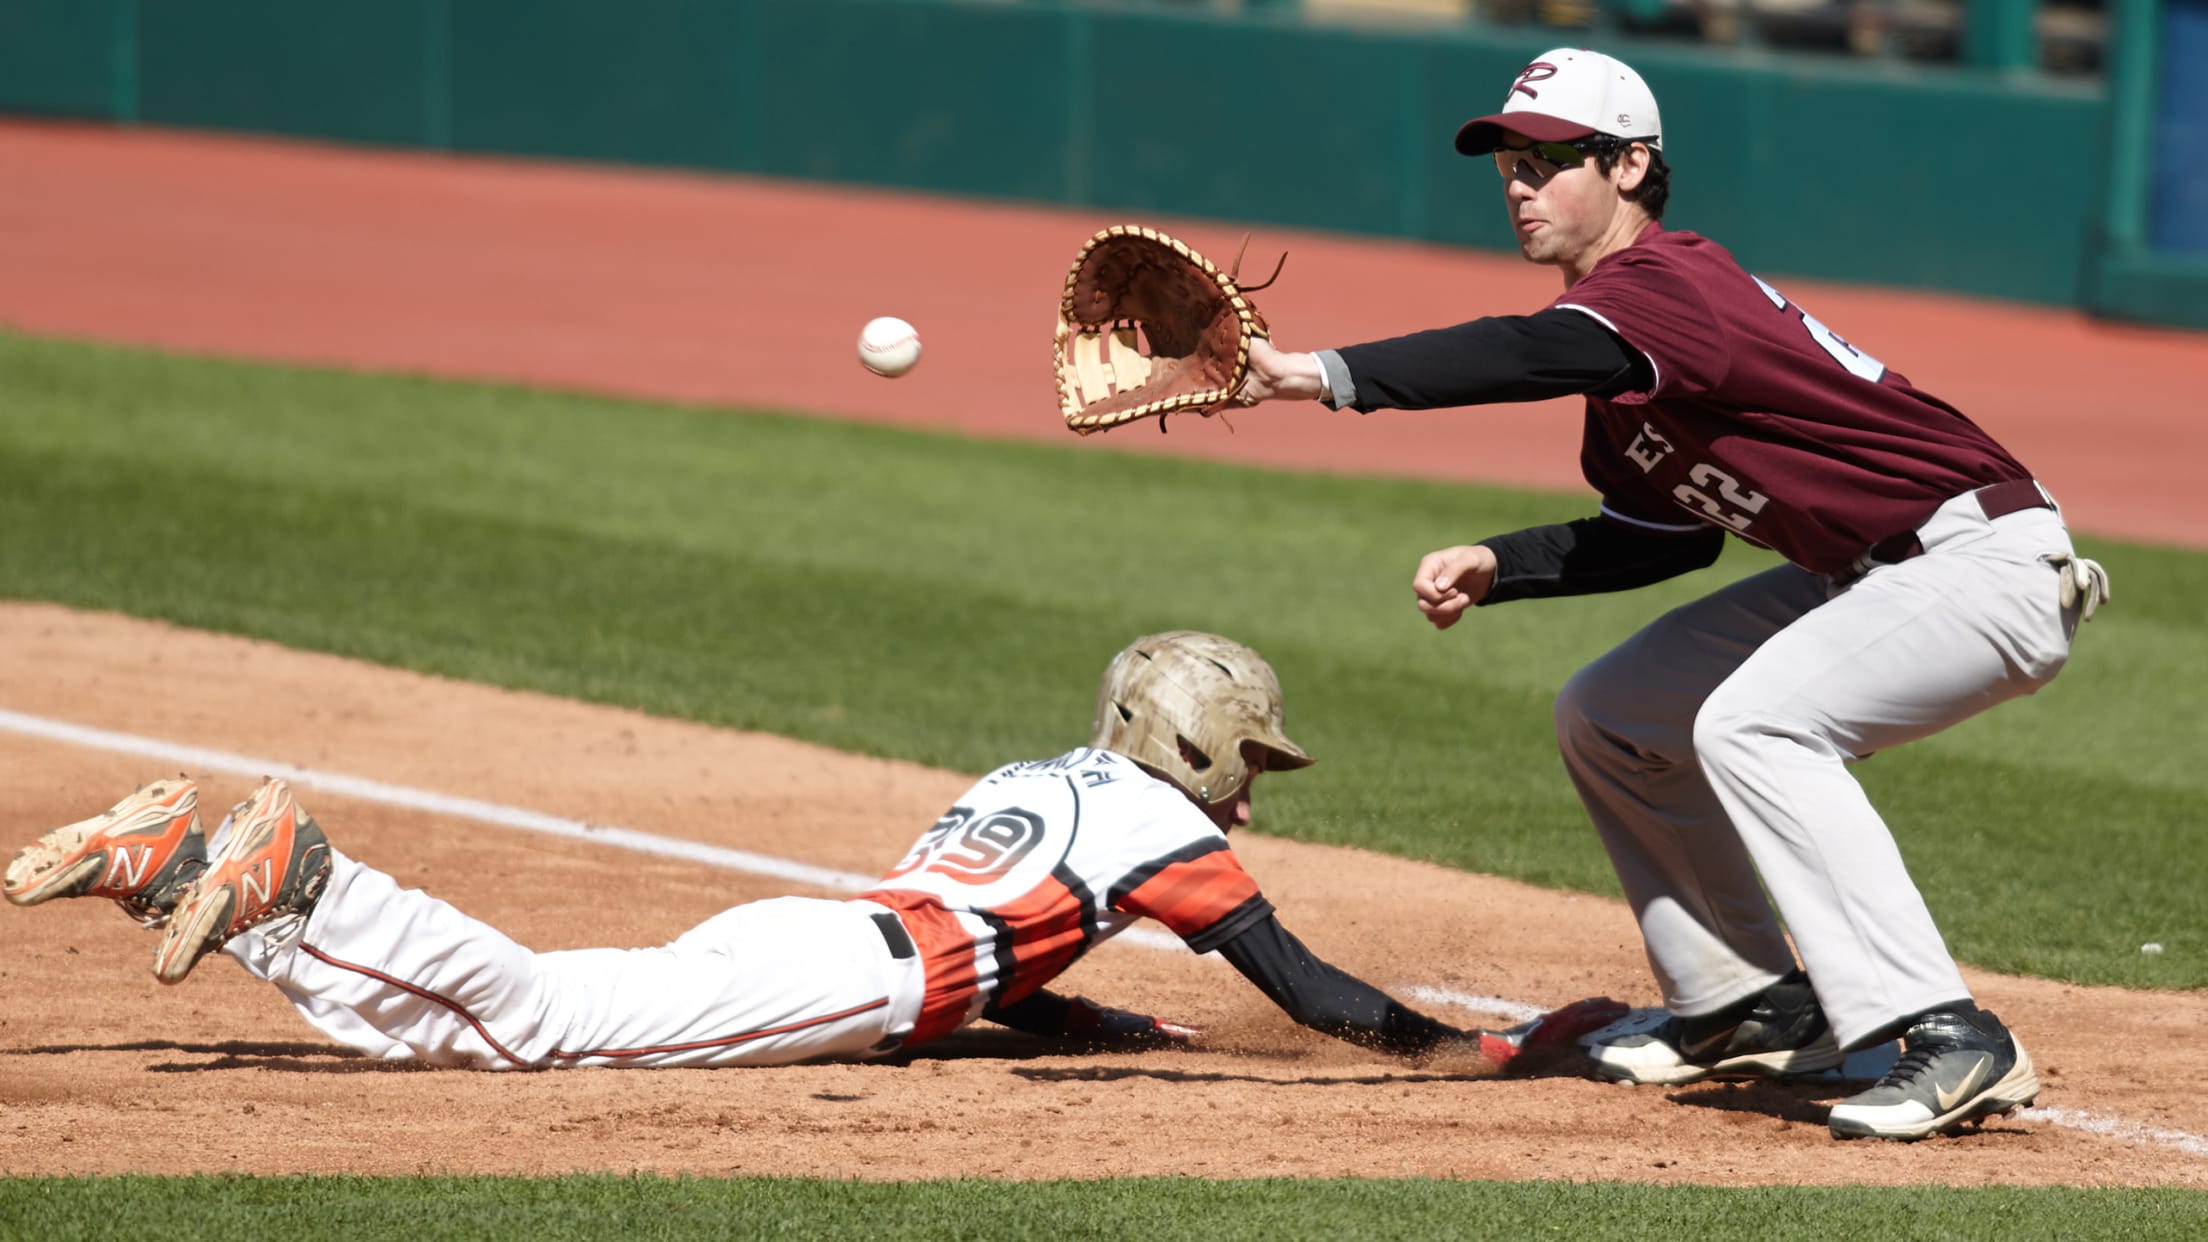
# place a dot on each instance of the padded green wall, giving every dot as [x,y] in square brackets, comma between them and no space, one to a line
[1936,178]
[355,70]
[68,57]
[955,97]
[645,81]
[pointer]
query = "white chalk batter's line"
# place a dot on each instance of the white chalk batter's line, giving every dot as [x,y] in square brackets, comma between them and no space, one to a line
[803,873]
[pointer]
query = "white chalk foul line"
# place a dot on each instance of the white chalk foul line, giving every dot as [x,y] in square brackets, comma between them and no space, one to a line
[435,803]
[802,873]
[473,809]
[1516,1011]
[2118,1128]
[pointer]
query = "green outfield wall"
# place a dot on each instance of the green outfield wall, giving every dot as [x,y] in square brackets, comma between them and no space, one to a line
[1949,178]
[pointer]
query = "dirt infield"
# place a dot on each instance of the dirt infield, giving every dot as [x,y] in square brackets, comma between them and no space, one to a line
[102,1069]
[691,288]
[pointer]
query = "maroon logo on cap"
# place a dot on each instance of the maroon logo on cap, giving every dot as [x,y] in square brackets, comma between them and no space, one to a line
[1538,71]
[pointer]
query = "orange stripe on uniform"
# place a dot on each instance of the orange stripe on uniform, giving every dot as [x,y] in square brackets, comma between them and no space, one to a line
[946,953]
[1191,896]
[1045,923]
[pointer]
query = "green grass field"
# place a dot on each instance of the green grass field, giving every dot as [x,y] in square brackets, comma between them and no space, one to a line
[953,601]
[645,1209]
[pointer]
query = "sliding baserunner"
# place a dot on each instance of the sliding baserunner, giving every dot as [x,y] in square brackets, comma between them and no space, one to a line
[1038,863]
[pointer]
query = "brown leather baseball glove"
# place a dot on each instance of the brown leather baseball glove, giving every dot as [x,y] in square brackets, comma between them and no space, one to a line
[1150,328]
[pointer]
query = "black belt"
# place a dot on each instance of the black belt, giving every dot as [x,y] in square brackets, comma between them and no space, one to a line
[894,934]
[900,947]
[1998,501]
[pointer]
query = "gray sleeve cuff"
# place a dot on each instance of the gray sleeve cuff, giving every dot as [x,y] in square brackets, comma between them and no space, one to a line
[1340,389]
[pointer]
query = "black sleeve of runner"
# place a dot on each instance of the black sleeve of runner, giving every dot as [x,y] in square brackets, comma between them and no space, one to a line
[1041,1012]
[1552,353]
[1593,555]
[1324,998]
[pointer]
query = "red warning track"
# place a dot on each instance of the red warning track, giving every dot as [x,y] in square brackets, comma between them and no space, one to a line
[749,292]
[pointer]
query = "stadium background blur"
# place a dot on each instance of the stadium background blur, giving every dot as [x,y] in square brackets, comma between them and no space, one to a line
[2047,152]
[698,565]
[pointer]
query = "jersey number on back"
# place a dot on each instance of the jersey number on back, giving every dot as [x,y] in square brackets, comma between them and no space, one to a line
[974,851]
[1830,341]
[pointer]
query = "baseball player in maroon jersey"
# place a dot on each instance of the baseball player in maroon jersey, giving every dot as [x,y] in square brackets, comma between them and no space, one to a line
[1038,863]
[1929,577]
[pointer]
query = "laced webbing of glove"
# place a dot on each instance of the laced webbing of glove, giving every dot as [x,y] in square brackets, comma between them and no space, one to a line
[1132,287]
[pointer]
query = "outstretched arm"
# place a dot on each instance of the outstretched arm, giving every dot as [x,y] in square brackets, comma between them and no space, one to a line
[1553,353]
[1326,998]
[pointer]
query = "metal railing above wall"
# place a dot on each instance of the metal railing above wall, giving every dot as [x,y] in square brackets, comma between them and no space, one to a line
[2143,262]
[2065,37]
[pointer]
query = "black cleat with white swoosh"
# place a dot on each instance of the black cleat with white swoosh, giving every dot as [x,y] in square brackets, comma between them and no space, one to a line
[1957,1066]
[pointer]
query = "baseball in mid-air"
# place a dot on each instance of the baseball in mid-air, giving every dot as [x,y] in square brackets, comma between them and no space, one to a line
[889,346]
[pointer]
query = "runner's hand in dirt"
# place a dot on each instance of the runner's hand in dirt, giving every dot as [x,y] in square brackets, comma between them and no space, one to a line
[1100,1026]
[1452,580]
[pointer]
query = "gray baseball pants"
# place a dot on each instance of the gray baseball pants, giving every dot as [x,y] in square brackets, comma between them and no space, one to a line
[1711,748]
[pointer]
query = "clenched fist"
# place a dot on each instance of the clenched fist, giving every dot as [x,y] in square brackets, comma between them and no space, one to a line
[1452,580]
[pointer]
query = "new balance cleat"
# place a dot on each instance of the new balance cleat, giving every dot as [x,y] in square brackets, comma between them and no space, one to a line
[274,863]
[1781,1032]
[142,852]
[1957,1066]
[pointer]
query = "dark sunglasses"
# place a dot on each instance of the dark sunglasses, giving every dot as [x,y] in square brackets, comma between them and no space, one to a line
[1546,159]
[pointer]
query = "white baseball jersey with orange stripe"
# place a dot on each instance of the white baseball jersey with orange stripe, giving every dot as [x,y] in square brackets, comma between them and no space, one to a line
[1034,865]
[1041,861]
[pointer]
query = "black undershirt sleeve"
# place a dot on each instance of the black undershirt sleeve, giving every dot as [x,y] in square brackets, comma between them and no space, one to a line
[1041,1012]
[1593,555]
[1552,353]
[1324,998]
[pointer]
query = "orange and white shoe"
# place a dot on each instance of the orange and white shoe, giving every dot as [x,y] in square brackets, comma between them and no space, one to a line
[143,852]
[275,862]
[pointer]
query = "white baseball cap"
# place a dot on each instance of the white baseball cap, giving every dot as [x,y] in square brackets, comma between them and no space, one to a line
[1566,94]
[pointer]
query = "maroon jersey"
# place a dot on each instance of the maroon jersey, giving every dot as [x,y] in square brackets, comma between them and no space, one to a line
[1761,420]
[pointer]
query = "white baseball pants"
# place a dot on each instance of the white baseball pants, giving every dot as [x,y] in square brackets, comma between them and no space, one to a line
[1711,748]
[401,975]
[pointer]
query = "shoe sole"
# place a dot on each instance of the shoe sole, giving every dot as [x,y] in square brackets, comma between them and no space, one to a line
[207,914]
[1796,1063]
[2017,1090]
[80,852]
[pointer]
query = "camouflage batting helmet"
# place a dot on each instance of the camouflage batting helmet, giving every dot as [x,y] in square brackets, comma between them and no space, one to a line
[1183,703]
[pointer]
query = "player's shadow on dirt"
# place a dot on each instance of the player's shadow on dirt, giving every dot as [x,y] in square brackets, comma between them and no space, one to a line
[1121,1073]
[986,1044]
[1807,1100]
[993,1044]
[231,1054]
[1805,1103]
